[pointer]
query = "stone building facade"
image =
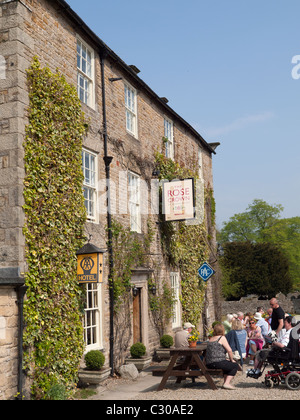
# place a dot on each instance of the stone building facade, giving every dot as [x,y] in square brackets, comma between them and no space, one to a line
[136,123]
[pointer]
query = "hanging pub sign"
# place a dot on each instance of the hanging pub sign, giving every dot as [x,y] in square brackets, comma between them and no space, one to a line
[90,264]
[178,200]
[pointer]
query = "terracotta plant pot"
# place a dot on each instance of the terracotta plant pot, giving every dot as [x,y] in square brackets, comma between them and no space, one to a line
[192,343]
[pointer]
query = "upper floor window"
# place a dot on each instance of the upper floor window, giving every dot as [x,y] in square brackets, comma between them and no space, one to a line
[89,183]
[134,202]
[175,287]
[169,138]
[131,110]
[200,164]
[85,73]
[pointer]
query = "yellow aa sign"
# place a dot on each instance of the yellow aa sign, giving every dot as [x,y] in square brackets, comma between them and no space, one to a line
[90,268]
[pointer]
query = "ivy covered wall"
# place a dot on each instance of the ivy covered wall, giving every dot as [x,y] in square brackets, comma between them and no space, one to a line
[185,245]
[55,217]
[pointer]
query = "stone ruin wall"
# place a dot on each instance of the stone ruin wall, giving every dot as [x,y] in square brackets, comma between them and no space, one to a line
[289,303]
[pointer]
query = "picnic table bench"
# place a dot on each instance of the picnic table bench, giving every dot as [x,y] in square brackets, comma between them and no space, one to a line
[191,367]
[161,370]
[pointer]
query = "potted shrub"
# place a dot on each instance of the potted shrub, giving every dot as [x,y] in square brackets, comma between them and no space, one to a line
[138,356]
[166,342]
[94,360]
[137,350]
[94,373]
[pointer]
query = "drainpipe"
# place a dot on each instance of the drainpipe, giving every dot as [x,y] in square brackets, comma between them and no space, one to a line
[107,161]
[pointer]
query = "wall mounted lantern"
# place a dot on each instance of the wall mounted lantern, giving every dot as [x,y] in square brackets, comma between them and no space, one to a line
[153,289]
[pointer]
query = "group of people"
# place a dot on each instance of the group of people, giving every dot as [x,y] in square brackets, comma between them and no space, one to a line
[242,335]
[253,332]
[253,329]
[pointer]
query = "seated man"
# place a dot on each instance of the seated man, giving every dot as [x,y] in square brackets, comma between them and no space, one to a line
[262,355]
[181,337]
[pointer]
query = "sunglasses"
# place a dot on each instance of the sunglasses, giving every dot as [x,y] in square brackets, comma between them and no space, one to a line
[252,322]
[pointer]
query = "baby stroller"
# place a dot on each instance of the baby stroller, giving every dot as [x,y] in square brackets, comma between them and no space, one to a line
[286,365]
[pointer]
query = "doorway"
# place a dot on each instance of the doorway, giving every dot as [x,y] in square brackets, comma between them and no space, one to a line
[137,318]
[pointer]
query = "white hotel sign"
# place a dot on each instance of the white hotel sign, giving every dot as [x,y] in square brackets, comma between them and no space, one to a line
[178,200]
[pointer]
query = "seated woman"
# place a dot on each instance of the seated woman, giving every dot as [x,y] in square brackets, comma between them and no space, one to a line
[255,341]
[241,333]
[217,348]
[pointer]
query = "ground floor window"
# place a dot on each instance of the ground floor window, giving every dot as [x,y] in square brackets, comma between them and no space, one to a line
[92,316]
[89,167]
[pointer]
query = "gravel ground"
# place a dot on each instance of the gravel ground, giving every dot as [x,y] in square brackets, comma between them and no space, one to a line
[246,389]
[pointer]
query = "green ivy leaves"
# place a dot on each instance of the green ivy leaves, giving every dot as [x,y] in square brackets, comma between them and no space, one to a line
[185,245]
[129,251]
[55,217]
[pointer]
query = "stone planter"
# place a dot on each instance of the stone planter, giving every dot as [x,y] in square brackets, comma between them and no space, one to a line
[163,353]
[141,363]
[93,377]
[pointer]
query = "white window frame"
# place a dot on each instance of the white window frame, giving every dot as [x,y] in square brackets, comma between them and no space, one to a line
[200,163]
[134,201]
[92,323]
[90,183]
[131,109]
[176,308]
[85,73]
[169,134]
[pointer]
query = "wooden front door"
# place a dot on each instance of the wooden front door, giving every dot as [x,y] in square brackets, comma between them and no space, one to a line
[137,319]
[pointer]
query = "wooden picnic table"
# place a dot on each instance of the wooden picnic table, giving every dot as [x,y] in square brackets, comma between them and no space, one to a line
[193,365]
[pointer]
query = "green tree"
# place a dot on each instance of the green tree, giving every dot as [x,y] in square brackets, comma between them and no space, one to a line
[261,223]
[250,268]
[285,233]
[251,225]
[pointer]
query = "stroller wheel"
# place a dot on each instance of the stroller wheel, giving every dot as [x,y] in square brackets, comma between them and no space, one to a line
[292,381]
[268,383]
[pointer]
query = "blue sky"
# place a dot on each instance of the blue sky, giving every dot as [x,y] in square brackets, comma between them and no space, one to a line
[226,68]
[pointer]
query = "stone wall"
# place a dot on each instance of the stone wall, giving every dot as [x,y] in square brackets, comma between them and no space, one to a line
[13,103]
[290,304]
